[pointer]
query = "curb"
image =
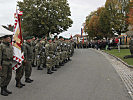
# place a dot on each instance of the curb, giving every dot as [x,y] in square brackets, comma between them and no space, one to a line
[130,66]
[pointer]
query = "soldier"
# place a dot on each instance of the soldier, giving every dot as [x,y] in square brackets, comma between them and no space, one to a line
[33,50]
[57,52]
[6,58]
[62,57]
[19,75]
[28,59]
[43,53]
[38,49]
[49,56]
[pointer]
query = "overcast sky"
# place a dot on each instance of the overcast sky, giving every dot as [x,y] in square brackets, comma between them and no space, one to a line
[79,10]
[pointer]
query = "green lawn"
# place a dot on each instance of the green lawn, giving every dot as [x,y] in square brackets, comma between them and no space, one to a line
[121,54]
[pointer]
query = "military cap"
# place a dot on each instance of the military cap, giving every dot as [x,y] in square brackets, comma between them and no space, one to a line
[60,37]
[48,38]
[55,36]
[28,37]
[52,39]
[43,37]
[40,39]
[32,36]
[6,36]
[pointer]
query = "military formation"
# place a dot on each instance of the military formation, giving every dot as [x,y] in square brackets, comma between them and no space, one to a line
[44,53]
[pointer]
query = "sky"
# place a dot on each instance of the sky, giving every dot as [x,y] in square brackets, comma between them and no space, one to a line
[79,10]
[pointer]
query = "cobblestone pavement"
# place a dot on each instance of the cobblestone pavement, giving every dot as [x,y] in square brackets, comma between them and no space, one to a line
[125,72]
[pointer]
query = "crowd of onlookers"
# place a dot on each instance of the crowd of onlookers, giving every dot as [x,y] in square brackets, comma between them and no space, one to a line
[100,44]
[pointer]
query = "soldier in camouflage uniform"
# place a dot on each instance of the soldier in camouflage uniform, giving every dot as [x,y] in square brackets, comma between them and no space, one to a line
[57,52]
[62,57]
[33,50]
[72,46]
[28,59]
[49,56]
[19,75]
[6,58]
[68,49]
[38,49]
[43,53]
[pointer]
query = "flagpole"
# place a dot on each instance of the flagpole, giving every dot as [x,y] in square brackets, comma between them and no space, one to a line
[19,21]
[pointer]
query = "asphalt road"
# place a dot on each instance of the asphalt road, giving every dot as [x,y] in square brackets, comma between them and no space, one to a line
[89,76]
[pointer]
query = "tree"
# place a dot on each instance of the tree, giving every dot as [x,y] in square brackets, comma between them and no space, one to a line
[118,10]
[105,25]
[130,14]
[92,25]
[44,17]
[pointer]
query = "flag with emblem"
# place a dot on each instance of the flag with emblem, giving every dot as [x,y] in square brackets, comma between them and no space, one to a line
[17,41]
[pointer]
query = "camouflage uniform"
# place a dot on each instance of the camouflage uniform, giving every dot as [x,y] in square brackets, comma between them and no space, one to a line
[43,53]
[6,58]
[69,49]
[49,57]
[33,52]
[28,57]
[38,48]
[19,75]
[58,53]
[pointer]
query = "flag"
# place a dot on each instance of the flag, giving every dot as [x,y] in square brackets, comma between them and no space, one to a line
[17,41]
[71,36]
[81,32]
[83,41]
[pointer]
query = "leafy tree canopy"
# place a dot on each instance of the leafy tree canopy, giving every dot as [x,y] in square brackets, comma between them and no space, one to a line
[44,17]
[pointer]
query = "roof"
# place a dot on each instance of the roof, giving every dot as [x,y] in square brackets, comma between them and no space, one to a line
[129,33]
[78,35]
[4,31]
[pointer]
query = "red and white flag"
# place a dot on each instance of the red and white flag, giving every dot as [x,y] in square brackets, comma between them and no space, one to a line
[17,42]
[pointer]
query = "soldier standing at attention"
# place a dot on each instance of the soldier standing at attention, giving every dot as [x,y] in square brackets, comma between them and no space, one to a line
[6,58]
[19,75]
[38,49]
[49,56]
[33,50]
[28,59]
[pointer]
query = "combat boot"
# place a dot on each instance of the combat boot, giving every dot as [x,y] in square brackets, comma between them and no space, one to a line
[39,68]
[44,66]
[27,80]
[33,65]
[7,91]
[49,71]
[61,64]
[31,80]
[3,92]
[69,59]
[18,84]
[22,84]
[53,69]
[56,66]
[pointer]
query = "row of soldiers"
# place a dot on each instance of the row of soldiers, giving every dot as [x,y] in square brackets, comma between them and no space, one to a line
[51,53]
[43,53]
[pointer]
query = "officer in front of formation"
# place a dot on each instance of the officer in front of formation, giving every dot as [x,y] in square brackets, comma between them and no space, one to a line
[6,58]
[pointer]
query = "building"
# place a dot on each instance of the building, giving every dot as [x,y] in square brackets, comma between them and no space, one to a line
[78,38]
